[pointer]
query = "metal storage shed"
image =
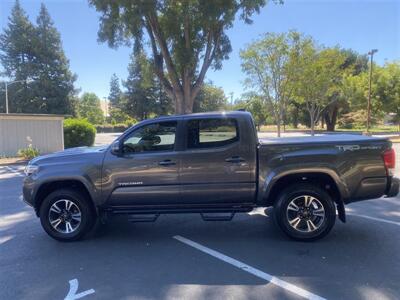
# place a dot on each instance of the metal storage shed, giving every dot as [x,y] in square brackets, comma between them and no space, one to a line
[18,131]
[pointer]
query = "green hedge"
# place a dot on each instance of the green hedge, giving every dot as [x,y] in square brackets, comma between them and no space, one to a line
[78,132]
[111,128]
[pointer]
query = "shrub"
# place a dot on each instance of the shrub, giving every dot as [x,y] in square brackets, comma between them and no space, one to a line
[78,132]
[356,120]
[28,153]
[118,116]
[107,128]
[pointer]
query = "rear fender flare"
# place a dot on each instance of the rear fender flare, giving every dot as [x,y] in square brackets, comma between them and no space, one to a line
[275,175]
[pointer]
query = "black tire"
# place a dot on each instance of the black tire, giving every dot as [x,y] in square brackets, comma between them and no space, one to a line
[283,214]
[80,204]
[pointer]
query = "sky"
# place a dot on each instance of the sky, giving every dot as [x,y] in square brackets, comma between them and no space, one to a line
[356,24]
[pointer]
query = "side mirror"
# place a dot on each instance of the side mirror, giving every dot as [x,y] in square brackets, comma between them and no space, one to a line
[116,148]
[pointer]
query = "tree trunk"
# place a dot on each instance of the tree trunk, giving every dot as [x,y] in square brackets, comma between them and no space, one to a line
[312,123]
[279,129]
[295,117]
[179,103]
[278,124]
[330,119]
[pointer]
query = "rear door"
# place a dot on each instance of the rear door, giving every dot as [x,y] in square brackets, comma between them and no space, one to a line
[217,165]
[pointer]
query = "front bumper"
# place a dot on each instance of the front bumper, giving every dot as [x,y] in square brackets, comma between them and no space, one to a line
[393,187]
[27,191]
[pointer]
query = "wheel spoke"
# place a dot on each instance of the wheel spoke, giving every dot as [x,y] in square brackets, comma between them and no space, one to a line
[308,200]
[68,204]
[320,212]
[56,222]
[293,206]
[55,208]
[311,226]
[295,222]
[68,227]
[76,216]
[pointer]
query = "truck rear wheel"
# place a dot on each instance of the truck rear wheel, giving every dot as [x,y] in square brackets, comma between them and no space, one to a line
[305,212]
[66,215]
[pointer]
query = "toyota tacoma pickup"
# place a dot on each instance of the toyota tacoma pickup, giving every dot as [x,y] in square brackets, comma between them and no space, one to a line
[212,164]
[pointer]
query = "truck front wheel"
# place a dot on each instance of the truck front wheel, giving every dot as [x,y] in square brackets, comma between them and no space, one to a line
[66,215]
[305,212]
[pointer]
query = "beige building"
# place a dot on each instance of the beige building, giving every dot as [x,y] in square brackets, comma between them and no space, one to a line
[105,107]
[18,131]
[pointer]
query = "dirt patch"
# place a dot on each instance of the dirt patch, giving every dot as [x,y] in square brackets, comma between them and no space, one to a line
[13,161]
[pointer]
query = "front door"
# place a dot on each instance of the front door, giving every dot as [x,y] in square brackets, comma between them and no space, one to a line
[218,164]
[147,170]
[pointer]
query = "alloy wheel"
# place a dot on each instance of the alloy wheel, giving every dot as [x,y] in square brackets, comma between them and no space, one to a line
[65,216]
[305,213]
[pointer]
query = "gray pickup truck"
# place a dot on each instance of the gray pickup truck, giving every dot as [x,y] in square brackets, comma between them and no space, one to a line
[212,164]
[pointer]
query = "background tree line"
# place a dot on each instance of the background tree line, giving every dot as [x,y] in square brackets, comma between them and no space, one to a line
[292,79]
[33,54]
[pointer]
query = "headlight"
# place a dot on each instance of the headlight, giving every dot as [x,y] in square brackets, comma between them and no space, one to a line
[31,169]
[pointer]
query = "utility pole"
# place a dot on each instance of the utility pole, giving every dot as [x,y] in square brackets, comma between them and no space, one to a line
[6,98]
[371,53]
[9,83]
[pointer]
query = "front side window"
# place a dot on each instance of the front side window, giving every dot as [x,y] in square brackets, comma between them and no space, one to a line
[208,133]
[152,137]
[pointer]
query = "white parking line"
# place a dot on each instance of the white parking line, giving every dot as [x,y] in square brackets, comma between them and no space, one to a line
[373,218]
[73,288]
[14,171]
[244,267]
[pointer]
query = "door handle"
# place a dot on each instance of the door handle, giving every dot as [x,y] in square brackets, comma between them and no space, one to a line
[235,159]
[166,162]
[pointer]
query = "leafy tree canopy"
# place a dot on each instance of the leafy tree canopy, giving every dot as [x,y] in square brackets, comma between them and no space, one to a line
[186,37]
[210,98]
[115,97]
[34,55]
[89,108]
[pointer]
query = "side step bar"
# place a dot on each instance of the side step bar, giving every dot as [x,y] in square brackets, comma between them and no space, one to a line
[217,217]
[143,218]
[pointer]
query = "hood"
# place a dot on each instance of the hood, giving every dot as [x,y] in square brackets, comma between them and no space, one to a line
[69,153]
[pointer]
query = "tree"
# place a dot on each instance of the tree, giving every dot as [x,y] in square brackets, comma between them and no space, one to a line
[115,96]
[140,85]
[316,73]
[36,54]
[355,89]
[267,63]
[89,108]
[186,37]
[210,98]
[354,64]
[256,106]
[17,56]
[388,89]
[53,82]
[118,116]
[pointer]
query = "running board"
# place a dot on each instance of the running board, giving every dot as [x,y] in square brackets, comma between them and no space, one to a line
[143,218]
[217,216]
[177,210]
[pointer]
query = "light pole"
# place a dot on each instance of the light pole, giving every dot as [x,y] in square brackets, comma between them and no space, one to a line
[9,83]
[371,53]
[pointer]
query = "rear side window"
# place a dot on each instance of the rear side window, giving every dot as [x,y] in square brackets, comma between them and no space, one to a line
[208,133]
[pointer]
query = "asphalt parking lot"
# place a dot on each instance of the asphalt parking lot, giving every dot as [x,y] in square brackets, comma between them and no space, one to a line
[182,257]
